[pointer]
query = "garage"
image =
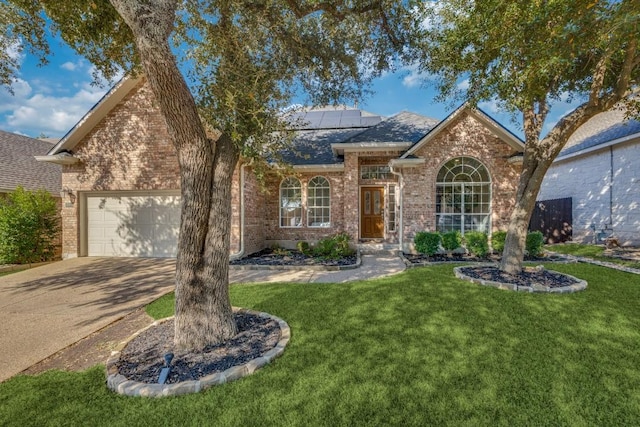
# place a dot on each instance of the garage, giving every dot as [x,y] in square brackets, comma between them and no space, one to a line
[132,224]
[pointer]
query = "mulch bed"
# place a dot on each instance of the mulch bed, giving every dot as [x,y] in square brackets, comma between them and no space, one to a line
[529,276]
[292,258]
[143,357]
[421,258]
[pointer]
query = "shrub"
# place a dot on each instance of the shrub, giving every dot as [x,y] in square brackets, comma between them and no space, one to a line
[333,247]
[535,242]
[29,227]
[304,247]
[497,241]
[451,240]
[276,249]
[427,243]
[477,243]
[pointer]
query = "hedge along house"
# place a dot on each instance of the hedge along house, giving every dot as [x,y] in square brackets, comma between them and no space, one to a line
[378,179]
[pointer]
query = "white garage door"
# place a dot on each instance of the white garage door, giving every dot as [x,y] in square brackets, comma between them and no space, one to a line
[133,226]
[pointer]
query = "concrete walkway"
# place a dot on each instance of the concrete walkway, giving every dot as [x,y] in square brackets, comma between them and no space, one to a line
[47,308]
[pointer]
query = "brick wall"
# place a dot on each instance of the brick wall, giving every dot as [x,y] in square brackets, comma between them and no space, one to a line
[466,136]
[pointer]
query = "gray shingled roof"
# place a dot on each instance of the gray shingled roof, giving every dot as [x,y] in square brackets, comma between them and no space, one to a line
[602,128]
[404,127]
[312,144]
[19,167]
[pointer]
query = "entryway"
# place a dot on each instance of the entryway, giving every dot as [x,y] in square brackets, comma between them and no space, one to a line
[372,212]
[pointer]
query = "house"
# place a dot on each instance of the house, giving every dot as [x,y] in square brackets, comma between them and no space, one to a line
[378,179]
[599,169]
[18,167]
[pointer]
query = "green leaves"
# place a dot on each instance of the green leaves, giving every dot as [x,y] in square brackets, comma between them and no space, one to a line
[29,227]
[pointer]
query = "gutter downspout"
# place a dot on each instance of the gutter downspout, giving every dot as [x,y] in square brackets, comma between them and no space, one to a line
[240,253]
[400,207]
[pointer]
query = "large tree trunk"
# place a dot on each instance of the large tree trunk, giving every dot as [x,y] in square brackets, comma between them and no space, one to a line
[203,307]
[533,171]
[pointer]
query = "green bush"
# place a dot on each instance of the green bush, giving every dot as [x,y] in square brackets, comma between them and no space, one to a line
[451,240]
[427,243]
[304,247]
[29,227]
[333,247]
[477,243]
[497,241]
[535,242]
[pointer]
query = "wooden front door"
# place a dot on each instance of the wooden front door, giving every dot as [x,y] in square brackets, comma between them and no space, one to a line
[372,212]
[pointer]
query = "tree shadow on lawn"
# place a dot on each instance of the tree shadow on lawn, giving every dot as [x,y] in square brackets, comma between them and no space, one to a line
[419,348]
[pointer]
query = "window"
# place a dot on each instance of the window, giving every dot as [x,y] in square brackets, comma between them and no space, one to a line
[463,196]
[375,172]
[319,203]
[290,203]
[391,201]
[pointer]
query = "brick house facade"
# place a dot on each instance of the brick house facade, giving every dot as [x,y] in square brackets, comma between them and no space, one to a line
[373,178]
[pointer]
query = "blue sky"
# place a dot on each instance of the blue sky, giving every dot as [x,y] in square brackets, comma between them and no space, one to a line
[50,100]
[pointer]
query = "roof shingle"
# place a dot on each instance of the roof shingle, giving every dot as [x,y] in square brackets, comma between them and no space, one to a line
[18,167]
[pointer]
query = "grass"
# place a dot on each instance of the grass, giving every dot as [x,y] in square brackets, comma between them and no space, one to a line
[595,252]
[419,348]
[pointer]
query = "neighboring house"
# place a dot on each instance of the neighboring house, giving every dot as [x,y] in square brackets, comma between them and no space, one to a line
[18,167]
[381,180]
[599,169]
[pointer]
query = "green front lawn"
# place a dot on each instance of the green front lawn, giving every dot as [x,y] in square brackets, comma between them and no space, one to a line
[420,348]
[590,251]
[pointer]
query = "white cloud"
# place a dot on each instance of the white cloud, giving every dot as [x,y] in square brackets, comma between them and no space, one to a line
[45,113]
[492,106]
[414,77]
[463,85]
[72,66]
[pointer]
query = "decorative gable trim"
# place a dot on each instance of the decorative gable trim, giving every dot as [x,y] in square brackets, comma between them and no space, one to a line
[495,127]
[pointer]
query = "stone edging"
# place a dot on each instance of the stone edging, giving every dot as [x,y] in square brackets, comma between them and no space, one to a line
[585,260]
[579,286]
[120,384]
[299,267]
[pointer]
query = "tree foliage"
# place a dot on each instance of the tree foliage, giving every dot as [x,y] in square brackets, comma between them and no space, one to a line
[528,55]
[243,62]
[29,227]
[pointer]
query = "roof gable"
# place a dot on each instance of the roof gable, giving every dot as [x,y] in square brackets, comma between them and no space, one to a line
[98,112]
[492,125]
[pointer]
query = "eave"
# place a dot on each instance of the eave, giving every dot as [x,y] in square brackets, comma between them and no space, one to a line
[354,147]
[60,159]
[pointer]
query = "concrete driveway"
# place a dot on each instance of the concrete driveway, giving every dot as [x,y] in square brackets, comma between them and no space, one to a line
[47,308]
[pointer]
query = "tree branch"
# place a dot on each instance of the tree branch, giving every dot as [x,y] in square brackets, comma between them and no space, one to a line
[622,85]
[330,8]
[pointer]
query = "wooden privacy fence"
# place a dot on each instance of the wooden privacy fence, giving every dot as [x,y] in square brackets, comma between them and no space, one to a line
[554,219]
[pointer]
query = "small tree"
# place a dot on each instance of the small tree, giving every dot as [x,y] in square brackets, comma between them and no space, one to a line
[29,227]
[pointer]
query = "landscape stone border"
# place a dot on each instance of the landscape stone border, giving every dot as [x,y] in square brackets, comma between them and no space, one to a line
[122,385]
[578,286]
[299,267]
[613,265]
[21,267]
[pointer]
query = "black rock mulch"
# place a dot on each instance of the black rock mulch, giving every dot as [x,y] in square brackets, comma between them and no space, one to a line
[143,357]
[292,258]
[528,277]
[421,258]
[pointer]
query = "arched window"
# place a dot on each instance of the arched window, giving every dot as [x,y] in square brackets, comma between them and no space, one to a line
[290,203]
[318,203]
[463,196]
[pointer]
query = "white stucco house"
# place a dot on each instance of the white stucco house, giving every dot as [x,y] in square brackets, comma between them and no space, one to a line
[599,169]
